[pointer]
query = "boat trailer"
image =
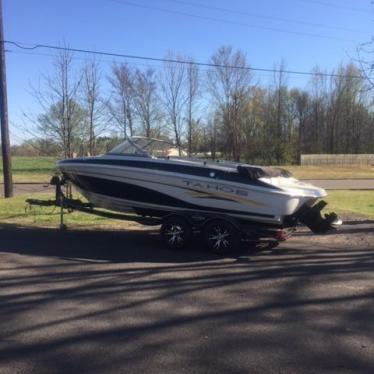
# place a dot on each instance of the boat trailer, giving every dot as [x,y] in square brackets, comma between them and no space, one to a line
[219,232]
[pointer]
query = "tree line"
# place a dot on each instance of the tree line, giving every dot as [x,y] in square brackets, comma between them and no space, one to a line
[220,111]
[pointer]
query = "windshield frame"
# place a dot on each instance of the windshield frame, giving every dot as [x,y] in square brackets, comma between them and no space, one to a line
[142,151]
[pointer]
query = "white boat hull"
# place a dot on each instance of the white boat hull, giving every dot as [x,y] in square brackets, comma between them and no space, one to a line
[171,191]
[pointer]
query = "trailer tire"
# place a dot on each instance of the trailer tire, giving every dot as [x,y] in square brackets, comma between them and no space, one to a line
[221,236]
[176,232]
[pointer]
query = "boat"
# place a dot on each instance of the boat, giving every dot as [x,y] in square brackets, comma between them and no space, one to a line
[154,178]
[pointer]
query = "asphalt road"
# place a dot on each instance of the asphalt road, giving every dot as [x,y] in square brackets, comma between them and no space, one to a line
[343,184]
[117,302]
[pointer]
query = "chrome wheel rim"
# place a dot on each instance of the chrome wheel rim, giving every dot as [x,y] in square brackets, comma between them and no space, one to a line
[219,238]
[174,235]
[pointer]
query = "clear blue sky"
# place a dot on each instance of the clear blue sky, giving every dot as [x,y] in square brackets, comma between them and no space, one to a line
[304,33]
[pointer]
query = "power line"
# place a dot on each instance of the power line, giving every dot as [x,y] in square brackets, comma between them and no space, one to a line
[151,65]
[336,6]
[221,20]
[272,18]
[101,60]
[174,61]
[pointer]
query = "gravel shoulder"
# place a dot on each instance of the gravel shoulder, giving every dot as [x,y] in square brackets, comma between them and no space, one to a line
[23,188]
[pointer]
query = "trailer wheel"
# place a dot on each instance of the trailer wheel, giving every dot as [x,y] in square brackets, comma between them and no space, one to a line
[221,236]
[176,232]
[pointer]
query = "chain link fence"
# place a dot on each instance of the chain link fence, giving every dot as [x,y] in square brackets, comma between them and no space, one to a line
[338,159]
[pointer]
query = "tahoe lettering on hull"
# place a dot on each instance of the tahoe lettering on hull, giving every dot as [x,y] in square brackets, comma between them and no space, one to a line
[215,187]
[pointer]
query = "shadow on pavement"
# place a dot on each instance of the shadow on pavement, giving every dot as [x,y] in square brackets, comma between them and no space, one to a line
[90,245]
[90,301]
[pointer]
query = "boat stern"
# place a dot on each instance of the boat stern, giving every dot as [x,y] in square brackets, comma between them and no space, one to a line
[313,217]
[306,205]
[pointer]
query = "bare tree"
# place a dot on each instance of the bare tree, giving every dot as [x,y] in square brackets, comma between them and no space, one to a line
[280,120]
[364,59]
[121,106]
[242,120]
[301,108]
[62,116]
[347,97]
[147,102]
[314,132]
[174,95]
[92,103]
[192,93]
[229,84]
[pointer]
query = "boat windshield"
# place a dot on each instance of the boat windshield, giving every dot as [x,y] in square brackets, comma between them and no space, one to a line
[147,147]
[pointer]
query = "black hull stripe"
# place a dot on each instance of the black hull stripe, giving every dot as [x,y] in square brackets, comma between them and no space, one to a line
[128,191]
[105,176]
[232,176]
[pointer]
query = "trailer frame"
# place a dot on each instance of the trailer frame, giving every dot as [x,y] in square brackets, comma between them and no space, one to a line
[259,236]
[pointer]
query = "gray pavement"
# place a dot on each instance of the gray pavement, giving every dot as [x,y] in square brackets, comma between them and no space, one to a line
[343,184]
[118,302]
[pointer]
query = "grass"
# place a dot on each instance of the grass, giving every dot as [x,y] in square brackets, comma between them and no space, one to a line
[14,211]
[40,169]
[31,169]
[357,203]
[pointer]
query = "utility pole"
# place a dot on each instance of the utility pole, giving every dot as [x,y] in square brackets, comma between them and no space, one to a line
[5,143]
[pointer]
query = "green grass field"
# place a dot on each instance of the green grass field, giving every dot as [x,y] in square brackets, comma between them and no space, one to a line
[31,169]
[356,203]
[351,204]
[16,212]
